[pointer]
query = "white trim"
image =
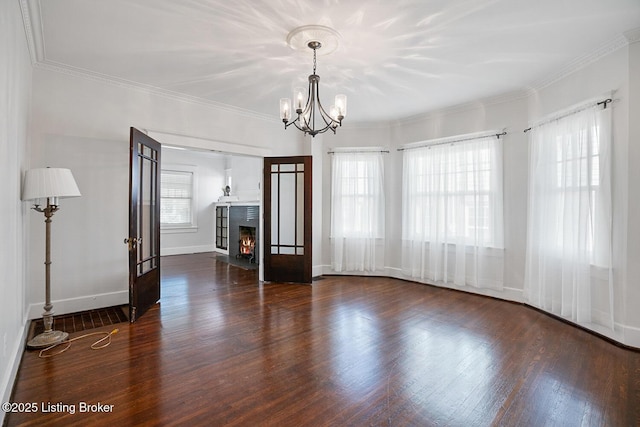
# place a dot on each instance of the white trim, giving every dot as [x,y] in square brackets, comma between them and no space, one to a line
[75,305]
[623,334]
[580,62]
[11,371]
[184,250]
[206,144]
[572,109]
[177,229]
[633,35]
[466,137]
[630,334]
[32,22]
[349,150]
[464,107]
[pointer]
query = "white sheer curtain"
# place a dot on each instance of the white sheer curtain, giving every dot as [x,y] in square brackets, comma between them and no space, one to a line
[357,211]
[568,258]
[452,213]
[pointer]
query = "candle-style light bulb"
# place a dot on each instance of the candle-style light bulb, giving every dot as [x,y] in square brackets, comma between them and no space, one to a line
[285,109]
[341,106]
[333,112]
[299,99]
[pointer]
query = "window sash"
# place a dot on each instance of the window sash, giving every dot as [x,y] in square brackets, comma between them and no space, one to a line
[453,193]
[176,198]
[357,195]
[573,155]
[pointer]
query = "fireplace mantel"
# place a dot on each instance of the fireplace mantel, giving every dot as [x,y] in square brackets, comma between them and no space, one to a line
[237,203]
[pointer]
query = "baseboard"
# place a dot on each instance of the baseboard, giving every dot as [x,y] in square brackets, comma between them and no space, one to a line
[184,250]
[624,335]
[13,366]
[74,305]
[631,335]
[317,270]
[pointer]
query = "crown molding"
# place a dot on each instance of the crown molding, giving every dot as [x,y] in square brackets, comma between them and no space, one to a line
[580,62]
[123,83]
[633,35]
[31,19]
[502,98]
[32,22]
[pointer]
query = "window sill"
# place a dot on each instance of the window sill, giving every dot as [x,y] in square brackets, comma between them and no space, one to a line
[469,249]
[173,230]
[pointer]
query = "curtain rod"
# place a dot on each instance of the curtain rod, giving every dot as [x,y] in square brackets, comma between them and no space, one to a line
[358,151]
[497,135]
[590,105]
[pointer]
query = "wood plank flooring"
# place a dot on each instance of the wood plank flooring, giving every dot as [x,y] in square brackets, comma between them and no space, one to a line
[223,350]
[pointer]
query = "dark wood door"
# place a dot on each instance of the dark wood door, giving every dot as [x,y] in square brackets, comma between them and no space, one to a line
[287,219]
[144,224]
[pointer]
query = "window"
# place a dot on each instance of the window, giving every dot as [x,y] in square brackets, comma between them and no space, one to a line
[577,167]
[453,193]
[452,212]
[357,211]
[569,219]
[177,199]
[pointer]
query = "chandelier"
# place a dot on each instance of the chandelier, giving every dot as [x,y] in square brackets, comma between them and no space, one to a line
[311,117]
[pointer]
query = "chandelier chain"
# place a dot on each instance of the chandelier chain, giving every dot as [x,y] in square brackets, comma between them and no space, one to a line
[314,61]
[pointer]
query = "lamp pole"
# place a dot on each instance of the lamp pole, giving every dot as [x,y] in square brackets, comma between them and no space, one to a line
[49,336]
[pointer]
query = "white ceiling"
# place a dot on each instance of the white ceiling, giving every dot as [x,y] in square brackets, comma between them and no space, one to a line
[396,59]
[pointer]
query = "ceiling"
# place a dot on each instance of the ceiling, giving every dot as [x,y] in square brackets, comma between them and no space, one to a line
[396,59]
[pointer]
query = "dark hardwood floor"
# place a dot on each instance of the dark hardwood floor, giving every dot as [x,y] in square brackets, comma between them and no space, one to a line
[221,349]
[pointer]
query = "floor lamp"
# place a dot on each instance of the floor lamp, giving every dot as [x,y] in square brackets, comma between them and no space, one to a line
[48,185]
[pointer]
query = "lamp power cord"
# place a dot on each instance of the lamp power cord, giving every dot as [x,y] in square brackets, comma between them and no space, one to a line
[97,345]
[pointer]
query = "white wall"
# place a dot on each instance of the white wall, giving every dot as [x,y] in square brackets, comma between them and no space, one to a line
[15,94]
[246,177]
[631,293]
[618,71]
[83,124]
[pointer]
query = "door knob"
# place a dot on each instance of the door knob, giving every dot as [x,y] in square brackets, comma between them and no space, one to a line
[131,242]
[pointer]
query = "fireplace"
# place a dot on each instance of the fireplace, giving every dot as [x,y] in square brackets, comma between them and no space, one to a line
[247,243]
[244,233]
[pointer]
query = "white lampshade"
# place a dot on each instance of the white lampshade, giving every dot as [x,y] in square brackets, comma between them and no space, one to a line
[42,183]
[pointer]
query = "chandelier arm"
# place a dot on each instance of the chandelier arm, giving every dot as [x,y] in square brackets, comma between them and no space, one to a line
[306,120]
[328,120]
[311,99]
[286,125]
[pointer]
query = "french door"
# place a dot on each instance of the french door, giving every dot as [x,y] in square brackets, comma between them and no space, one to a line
[287,219]
[144,224]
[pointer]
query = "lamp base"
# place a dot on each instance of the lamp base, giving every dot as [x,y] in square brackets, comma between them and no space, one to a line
[47,339]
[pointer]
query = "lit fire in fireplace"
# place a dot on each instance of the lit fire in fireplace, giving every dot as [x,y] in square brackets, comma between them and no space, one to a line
[247,244]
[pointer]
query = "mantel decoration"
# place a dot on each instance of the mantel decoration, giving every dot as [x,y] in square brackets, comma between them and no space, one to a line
[45,186]
[311,117]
